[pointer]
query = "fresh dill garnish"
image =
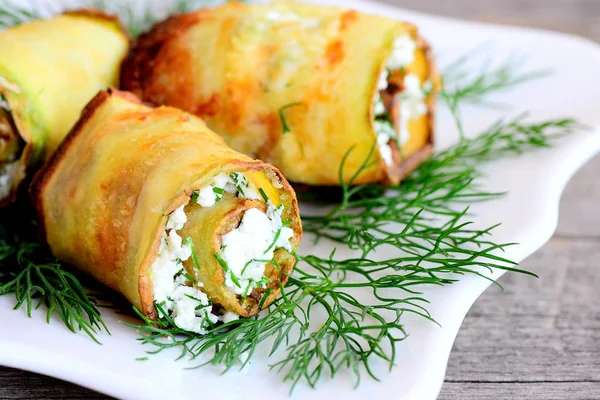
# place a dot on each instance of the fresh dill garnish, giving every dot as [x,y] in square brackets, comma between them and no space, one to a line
[263,195]
[263,261]
[195,197]
[188,277]
[12,14]
[460,86]
[385,127]
[275,239]
[247,290]
[218,192]
[356,331]
[264,281]
[264,298]
[285,128]
[193,298]
[136,19]
[189,242]
[37,279]
[140,19]
[225,267]
[239,181]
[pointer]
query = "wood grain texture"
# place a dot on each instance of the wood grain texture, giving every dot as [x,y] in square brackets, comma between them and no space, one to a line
[520,390]
[571,16]
[541,338]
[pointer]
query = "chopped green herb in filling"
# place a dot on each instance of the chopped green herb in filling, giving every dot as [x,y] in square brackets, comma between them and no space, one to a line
[251,246]
[235,184]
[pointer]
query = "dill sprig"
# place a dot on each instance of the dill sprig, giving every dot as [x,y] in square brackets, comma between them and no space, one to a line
[433,242]
[36,279]
[136,16]
[437,185]
[461,86]
[15,14]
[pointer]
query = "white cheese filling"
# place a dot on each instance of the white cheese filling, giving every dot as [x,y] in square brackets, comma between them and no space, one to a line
[7,178]
[9,85]
[189,307]
[277,16]
[223,183]
[412,104]
[246,249]
[4,104]
[412,99]
[403,54]
[256,239]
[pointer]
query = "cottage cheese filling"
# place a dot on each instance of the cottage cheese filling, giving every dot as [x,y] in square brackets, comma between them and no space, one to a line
[412,99]
[233,183]
[189,307]
[248,248]
[7,175]
[278,16]
[412,104]
[244,253]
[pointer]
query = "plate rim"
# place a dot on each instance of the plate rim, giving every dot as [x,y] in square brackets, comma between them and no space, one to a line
[32,361]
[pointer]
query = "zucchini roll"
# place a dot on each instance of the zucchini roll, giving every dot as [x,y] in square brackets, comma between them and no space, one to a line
[297,85]
[49,70]
[155,205]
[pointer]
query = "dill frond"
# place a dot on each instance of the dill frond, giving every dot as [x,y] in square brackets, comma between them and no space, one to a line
[321,325]
[36,279]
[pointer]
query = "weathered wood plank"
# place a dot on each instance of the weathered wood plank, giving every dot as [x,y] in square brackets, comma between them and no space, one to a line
[580,204]
[572,16]
[545,329]
[521,390]
[16,384]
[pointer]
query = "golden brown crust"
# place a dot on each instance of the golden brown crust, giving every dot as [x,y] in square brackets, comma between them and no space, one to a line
[44,174]
[414,160]
[97,13]
[403,166]
[108,218]
[137,67]
[44,117]
[170,65]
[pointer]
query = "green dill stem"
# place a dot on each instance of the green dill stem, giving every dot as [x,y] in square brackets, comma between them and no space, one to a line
[12,15]
[434,244]
[190,242]
[264,298]
[225,267]
[461,87]
[274,242]
[26,271]
[263,194]
[284,126]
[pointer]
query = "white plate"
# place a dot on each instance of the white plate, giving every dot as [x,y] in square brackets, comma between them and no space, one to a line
[529,215]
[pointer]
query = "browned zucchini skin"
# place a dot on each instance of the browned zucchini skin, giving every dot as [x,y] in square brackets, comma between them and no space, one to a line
[161,69]
[104,197]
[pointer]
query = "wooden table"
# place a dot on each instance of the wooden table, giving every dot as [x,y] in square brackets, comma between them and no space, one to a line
[541,338]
